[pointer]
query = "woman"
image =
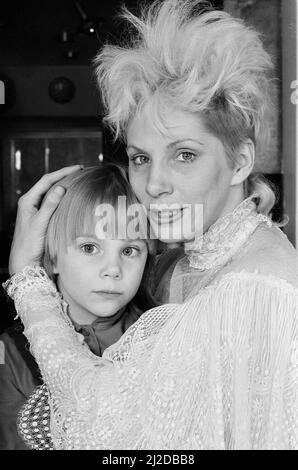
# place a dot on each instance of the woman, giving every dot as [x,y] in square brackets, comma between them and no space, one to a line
[217,367]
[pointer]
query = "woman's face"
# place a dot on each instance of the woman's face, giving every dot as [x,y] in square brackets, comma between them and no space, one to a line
[187,166]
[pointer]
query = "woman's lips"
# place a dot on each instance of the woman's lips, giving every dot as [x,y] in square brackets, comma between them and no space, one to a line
[165,216]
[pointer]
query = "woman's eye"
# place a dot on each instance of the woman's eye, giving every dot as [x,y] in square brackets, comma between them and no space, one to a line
[140,160]
[89,249]
[186,157]
[131,251]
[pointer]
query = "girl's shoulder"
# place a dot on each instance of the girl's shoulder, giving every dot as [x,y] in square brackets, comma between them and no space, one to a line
[18,357]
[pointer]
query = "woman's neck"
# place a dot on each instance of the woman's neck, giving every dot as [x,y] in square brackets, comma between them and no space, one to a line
[234,198]
[225,236]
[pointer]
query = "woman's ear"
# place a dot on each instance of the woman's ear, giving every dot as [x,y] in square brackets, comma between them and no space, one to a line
[245,163]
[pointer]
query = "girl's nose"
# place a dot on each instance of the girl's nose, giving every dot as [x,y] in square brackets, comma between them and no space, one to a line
[111,269]
[113,273]
[158,182]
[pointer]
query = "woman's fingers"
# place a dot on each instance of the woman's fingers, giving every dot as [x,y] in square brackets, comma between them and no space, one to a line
[34,213]
[31,226]
[49,205]
[34,196]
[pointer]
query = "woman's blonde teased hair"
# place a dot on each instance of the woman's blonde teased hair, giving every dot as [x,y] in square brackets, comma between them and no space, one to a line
[182,54]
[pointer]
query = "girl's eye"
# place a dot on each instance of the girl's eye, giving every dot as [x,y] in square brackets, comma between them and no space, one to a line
[139,160]
[186,157]
[89,249]
[131,251]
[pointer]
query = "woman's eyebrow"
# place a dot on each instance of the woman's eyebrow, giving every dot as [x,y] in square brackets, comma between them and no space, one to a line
[187,139]
[138,149]
[170,145]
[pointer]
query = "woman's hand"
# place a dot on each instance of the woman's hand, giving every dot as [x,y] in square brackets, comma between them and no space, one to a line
[33,217]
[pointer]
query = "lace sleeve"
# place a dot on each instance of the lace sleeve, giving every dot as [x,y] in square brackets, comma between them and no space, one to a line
[59,350]
[217,372]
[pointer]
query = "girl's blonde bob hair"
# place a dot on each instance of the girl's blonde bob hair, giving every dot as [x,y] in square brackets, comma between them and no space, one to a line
[75,215]
[183,54]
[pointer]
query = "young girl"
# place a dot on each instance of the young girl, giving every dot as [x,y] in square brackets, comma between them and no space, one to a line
[99,278]
[103,282]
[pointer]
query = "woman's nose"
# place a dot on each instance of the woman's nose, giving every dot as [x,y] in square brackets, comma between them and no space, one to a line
[158,182]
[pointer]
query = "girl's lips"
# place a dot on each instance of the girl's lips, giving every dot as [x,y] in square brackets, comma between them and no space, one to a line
[108,291]
[108,294]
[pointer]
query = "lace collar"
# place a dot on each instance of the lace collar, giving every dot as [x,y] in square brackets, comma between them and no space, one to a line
[224,238]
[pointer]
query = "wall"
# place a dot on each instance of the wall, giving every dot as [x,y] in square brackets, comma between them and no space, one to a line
[30,96]
[265,16]
[290,114]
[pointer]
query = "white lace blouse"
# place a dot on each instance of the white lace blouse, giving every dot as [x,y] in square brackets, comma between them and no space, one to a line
[217,368]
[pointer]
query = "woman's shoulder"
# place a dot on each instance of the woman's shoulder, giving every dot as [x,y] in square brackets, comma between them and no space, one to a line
[269,254]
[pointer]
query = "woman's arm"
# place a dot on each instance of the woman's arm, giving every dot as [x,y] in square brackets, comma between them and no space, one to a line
[217,372]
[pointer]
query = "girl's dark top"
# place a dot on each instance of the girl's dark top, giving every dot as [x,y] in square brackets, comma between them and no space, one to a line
[19,375]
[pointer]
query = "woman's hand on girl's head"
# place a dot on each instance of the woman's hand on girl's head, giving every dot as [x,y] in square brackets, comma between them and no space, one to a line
[34,212]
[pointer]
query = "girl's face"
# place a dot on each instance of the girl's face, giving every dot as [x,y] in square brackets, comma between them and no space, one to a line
[187,166]
[97,277]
